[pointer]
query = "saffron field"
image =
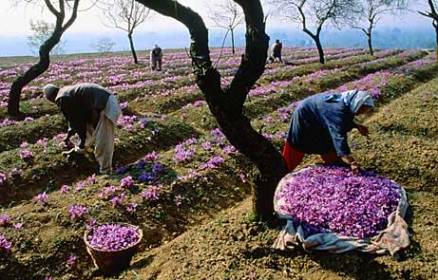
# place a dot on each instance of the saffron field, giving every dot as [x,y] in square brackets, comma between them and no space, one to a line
[175,171]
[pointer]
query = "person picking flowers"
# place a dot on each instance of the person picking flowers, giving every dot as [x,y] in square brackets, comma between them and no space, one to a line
[320,124]
[92,112]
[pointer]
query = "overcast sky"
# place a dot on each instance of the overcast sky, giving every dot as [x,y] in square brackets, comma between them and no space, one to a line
[15,21]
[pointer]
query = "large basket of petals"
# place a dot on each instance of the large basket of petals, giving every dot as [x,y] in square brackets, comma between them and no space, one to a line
[331,208]
[112,245]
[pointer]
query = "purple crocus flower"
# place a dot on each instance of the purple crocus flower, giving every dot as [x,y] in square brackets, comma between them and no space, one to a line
[18,225]
[151,194]
[213,162]
[206,145]
[41,198]
[217,135]
[65,189]
[141,164]
[131,207]
[157,167]
[118,200]
[107,192]
[5,245]
[26,154]
[127,182]
[153,156]
[71,261]
[5,220]
[77,212]
[146,177]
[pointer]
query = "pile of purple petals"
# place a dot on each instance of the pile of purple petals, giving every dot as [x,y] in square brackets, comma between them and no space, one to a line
[113,237]
[333,199]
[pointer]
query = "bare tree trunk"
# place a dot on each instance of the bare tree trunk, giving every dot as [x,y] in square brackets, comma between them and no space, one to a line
[131,44]
[226,105]
[33,72]
[370,43]
[232,40]
[259,150]
[436,41]
[320,49]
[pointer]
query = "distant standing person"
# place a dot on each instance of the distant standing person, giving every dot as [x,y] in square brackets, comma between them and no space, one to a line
[276,51]
[156,58]
[92,113]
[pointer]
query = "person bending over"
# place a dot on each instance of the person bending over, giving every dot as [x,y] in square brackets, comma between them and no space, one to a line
[320,124]
[92,113]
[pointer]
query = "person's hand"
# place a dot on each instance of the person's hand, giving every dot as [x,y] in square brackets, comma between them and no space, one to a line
[79,150]
[69,152]
[75,150]
[363,130]
[355,168]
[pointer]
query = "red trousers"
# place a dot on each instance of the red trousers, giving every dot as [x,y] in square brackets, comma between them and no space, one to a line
[293,157]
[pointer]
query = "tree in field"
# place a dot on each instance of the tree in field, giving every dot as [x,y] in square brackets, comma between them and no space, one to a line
[372,10]
[61,25]
[315,14]
[104,45]
[42,30]
[126,15]
[433,14]
[226,103]
[228,16]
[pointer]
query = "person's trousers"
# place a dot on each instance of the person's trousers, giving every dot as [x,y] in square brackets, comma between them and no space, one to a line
[103,135]
[156,63]
[293,157]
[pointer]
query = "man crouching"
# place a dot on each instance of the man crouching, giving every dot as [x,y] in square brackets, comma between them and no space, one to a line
[92,113]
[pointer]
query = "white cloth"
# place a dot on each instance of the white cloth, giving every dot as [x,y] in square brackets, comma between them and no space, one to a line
[103,135]
[354,99]
[392,239]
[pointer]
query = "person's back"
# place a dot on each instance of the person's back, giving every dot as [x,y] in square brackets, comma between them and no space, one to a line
[156,56]
[277,49]
[87,95]
[157,52]
[82,101]
[311,119]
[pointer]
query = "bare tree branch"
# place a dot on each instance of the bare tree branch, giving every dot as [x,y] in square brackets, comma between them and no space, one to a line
[51,8]
[73,16]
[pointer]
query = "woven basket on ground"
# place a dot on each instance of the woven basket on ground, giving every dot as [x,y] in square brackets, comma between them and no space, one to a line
[112,262]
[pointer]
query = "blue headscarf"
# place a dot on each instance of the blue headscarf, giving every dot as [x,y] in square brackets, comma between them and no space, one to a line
[354,99]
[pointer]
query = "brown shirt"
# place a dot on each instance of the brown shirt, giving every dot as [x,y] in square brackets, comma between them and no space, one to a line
[81,104]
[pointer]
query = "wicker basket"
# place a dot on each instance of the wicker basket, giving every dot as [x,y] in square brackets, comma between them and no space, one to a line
[112,262]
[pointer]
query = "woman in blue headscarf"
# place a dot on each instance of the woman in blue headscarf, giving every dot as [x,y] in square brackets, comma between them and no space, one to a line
[320,124]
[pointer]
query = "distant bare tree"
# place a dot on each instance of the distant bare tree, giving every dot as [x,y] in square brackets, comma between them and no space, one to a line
[316,13]
[61,25]
[373,10]
[104,45]
[42,30]
[433,6]
[228,16]
[126,15]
